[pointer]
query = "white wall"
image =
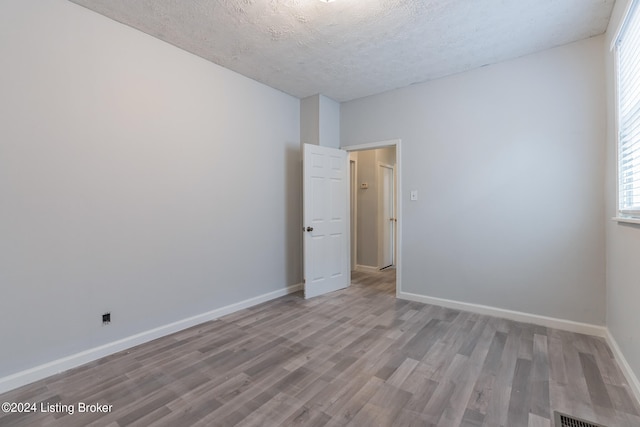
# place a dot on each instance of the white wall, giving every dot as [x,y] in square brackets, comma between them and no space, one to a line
[329,118]
[310,120]
[623,240]
[320,121]
[135,178]
[508,163]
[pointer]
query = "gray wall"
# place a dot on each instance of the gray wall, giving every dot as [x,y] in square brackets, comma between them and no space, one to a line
[368,212]
[329,118]
[320,121]
[310,120]
[135,178]
[508,163]
[623,240]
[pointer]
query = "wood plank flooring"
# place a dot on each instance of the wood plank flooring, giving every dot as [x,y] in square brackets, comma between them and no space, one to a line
[357,357]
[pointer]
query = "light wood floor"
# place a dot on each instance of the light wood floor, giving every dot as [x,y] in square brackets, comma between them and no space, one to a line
[356,357]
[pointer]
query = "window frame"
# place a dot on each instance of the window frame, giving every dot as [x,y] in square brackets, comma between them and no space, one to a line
[623,215]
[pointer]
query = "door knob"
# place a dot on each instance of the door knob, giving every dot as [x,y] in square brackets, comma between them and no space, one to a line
[309,228]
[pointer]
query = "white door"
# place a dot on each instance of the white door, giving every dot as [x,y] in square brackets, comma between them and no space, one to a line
[387,217]
[326,220]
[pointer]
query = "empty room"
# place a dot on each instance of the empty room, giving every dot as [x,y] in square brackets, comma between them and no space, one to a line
[320,212]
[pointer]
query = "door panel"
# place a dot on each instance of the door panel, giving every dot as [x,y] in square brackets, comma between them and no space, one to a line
[326,220]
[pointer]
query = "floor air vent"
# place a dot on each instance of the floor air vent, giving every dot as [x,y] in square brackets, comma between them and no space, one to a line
[563,420]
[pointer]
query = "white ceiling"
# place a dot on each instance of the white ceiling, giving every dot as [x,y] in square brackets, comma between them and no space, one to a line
[348,49]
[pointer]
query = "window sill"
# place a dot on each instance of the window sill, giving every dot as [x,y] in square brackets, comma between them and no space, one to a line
[627,219]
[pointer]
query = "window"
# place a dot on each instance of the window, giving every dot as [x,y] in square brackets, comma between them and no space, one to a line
[628,76]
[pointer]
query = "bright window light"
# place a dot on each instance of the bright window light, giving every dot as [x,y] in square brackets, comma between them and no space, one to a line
[628,84]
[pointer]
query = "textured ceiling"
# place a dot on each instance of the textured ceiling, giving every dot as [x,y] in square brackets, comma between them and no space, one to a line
[348,49]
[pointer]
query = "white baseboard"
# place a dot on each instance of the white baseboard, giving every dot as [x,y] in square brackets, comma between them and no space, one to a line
[631,377]
[56,366]
[367,268]
[550,322]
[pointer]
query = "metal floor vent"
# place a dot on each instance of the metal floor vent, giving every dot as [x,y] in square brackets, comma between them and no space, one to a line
[564,420]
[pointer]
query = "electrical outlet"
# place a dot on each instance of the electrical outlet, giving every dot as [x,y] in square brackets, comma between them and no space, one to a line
[106,318]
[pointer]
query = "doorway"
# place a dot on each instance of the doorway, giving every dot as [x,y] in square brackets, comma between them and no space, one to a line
[375,207]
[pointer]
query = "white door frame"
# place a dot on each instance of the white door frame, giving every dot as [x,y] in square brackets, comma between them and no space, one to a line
[397,143]
[381,222]
[353,214]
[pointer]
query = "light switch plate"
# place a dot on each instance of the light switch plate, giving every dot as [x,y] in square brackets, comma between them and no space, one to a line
[414,195]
